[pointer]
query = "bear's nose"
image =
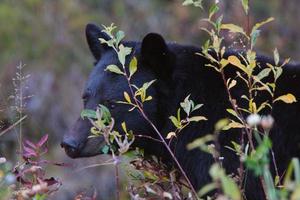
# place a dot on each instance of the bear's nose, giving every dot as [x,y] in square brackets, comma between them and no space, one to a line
[71,147]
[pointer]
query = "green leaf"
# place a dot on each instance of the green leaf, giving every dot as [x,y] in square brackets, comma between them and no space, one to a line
[123,52]
[197,107]
[109,29]
[276,180]
[148,84]
[288,98]
[258,25]
[230,188]
[236,62]
[188,2]
[233,124]
[106,116]
[255,32]
[221,124]
[127,97]
[254,35]
[132,66]
[148,98]
[186,105]
[175,122]
[200,142]
[232,84]
[276,56]
[114,69]
[262,106]
[171,135]
[197,119]
[213,9]
[245,4]
[119,37]
[234,28]
[207,188]
[88,113]
[123,124]
[293,166]
[264,73]
[109,43]
[197,3]
[105,149]
[233,113]
[224,63]
[296,193]
[279,71]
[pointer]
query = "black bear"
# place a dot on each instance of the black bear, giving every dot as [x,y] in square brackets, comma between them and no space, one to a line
[179,71]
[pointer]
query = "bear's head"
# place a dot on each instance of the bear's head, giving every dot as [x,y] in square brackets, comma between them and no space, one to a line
[106,88]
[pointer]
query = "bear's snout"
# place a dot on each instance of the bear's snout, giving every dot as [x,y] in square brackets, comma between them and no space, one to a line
[71,147]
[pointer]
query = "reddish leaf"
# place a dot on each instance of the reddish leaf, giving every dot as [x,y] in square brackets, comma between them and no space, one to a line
[43,140]
[28,150]
[30,144]
[50,181]
[45,150]
[29,155]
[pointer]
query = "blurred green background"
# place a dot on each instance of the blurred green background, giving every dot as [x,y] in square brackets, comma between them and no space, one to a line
[48,37]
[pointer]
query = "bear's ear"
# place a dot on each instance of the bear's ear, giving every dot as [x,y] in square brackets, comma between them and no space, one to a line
[156,55]
[93,33]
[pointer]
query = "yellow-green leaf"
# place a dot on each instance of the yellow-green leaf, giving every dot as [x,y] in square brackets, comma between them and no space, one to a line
[230,188]
[114,69]
[233,113]
[236,62]
[224,63]
[233,124]
[174,120]
[207,188]
[258,25]
[122,53]
[221,124]
[200,142]
[170,135]
[197,119]
[263,74]
[232,84]
[296,193]
[234,28]
[276,180]
[132,66]
[245,4]
[288,98]
[127,97]
[148,98]
[276,56]
[124,127]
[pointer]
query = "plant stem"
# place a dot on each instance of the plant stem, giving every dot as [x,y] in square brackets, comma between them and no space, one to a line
[13,125]
[140,109]
[117,181]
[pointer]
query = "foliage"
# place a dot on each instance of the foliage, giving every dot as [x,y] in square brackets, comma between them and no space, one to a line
[257,80]
[28,180]
[253,157]
[151,178]
[31,174]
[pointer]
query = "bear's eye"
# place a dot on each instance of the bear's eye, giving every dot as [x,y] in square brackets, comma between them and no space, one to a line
[85,97]
[110,104]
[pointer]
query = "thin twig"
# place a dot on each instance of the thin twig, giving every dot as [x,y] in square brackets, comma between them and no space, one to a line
[117,181]
[12,126]
[94,165]
[275,165]
[141,111]
[148,137]
[170,151]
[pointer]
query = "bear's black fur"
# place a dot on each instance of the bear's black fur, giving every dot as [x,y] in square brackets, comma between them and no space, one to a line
[179,71]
